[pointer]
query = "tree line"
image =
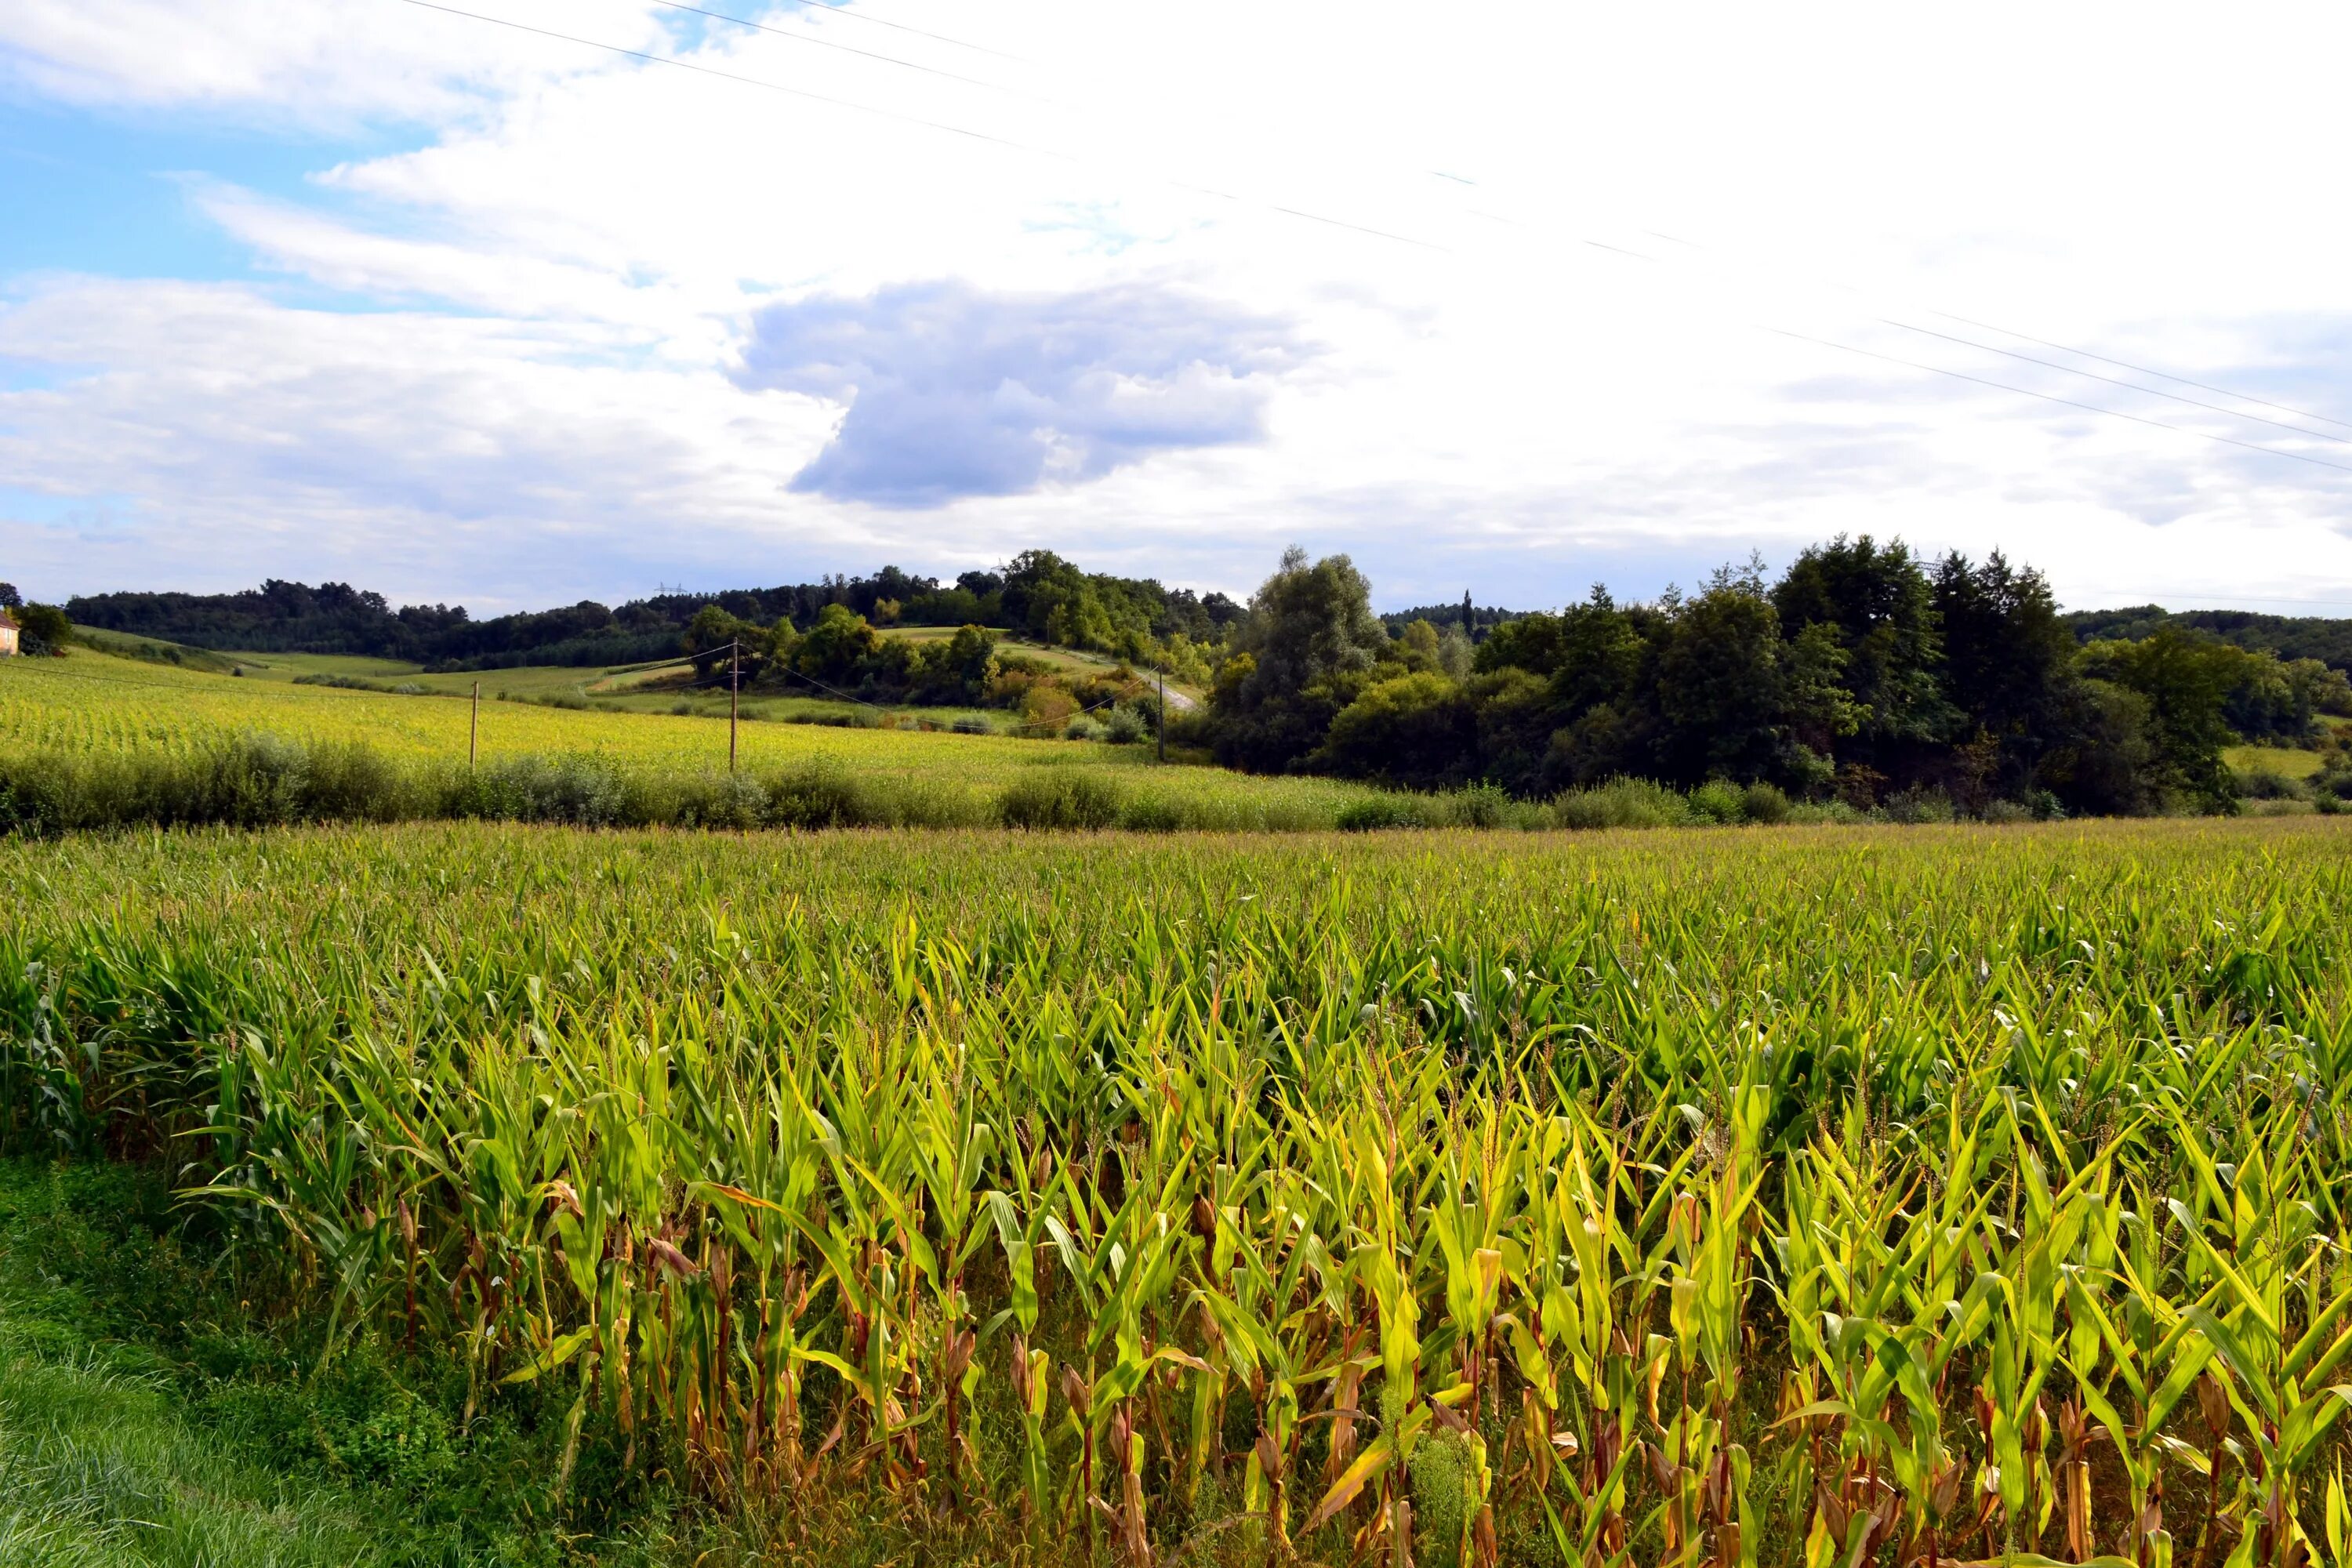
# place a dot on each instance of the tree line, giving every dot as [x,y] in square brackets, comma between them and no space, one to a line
[1036,595]
[1861,672]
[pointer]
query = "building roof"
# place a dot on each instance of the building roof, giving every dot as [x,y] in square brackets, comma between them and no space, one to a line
[7,620]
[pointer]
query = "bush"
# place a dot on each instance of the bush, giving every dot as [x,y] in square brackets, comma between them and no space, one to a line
[1481,805]
[1918,805]
[1621,803]
[579,791]
[1763,802]
[971,724]
[2263,782]
[1717,801]
[1060,797]
[1373,813]
[1123,726]
[1083,728]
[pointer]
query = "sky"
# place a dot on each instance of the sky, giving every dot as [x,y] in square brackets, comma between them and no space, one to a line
[515,302]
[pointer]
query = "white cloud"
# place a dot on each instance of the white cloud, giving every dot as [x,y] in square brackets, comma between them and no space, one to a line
[544,397]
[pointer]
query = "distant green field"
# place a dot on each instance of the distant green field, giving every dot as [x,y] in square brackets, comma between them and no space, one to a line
[1062,657]
[97,703]
[2287,761]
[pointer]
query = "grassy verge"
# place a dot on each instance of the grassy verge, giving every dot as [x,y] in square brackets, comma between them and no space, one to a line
[153,1411]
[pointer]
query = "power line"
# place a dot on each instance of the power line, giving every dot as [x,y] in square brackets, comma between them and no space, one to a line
[2083,353]
[942,125]
[846,13]
[2112,381]
[2066,402]
[2144,370]
[845,49]
[731,76]
[1321,218]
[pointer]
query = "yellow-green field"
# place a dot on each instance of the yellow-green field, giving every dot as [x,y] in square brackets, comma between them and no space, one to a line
[97,703]
[2289,762]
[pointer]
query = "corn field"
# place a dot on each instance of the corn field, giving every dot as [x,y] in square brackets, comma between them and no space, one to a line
[94,704]
[1822,1197]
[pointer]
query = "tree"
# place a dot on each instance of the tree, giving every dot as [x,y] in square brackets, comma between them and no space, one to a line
[9,598]
[1720,687]
[2008,662]
[713,634]
[1880,607]
[1600,656]
[46,629]
[1312,642]
[2185,677]
[837,648]
[1414,730]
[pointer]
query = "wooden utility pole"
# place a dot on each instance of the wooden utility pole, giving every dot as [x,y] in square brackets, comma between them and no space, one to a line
[474,731]
[1164,712]
[734,696]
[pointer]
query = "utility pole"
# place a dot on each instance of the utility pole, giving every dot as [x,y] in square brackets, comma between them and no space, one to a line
[734,696]
[474,732]
[1164,712]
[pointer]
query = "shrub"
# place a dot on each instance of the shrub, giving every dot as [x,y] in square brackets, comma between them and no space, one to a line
[1918,805]
[1481,805]
[1123,726]
[1763,802]
[579,791]
[1083,728]
[1621,803]
[970,724]
[1058,797]
[2263,782]
[818,797]
[1717,801]
[1372,812]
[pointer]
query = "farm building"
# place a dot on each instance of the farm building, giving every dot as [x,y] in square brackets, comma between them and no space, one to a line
[7,634]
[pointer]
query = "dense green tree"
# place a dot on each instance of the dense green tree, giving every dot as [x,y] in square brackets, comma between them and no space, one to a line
[45,628]
[1877,602]
[1312,643]
[840,648]
[2185,677]
[2009,661]
[1416,729]
[1601,650]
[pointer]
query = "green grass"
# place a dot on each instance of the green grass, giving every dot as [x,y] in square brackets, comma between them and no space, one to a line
[96,705]
[2289,762]
[151,1413]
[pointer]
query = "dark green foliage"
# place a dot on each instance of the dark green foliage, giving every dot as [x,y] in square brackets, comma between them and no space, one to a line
[1878,605]
[2291,637]
[46,629]
[1417,730]
[260,780]
[1060,797]
[1308,647]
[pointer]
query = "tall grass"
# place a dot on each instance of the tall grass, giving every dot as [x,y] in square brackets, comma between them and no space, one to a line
[264,781]
[1783,1198]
